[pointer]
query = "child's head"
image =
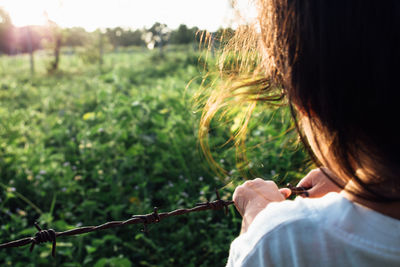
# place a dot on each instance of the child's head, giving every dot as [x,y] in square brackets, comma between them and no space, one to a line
[337,64]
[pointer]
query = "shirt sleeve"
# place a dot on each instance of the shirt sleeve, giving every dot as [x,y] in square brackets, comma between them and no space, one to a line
[261,245]
[329,231]
[241,255]
[250,250]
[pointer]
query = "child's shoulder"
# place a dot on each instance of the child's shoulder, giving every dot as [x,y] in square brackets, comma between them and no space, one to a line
[331,214]
[308,228]
[330,225]
[302,213]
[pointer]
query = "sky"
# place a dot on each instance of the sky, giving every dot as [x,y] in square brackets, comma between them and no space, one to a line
[93,14]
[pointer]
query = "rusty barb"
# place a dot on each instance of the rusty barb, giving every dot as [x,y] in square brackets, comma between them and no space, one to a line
[51,235]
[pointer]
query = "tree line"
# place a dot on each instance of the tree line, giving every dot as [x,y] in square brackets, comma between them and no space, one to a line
[14,40]
[91,45]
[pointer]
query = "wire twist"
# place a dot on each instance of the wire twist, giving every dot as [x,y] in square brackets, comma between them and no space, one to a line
[50,235]
[215,205]
[298,190]
[43,236]
[148,218]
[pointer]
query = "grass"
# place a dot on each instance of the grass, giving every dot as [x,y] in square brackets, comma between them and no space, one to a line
[92,143]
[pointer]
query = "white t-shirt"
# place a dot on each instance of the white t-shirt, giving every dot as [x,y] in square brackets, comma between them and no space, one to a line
[327,231]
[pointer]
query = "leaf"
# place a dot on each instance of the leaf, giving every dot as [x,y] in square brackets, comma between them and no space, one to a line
[113,262]
[120,262]
[45,218]
[164,111]
[90,249]
[44,254]
[101,263]
[89,116]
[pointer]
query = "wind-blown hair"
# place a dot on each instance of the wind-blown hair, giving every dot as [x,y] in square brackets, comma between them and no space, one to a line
[335,62]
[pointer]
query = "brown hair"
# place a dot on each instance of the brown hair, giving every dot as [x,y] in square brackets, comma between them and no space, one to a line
[335,62]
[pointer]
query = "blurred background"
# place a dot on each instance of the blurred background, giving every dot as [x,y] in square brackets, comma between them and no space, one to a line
[98,122]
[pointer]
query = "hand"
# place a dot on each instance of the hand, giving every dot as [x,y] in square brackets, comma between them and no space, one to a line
[318,183]
[253,196]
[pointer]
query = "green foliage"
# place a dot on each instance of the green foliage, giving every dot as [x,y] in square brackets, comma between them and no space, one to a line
[95,46]
[125,37]
[183,35]
[21,39]
[89,54]
[75,36]
[5,31]
[89,145]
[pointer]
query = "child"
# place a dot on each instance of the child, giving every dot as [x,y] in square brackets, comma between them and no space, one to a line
[337,64]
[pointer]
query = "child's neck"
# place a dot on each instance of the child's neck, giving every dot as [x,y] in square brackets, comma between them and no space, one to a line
[391,209]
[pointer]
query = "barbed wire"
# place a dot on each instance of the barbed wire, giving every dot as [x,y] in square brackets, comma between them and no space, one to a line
[51,235]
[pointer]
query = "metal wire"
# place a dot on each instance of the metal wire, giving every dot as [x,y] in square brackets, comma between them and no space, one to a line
[51,235]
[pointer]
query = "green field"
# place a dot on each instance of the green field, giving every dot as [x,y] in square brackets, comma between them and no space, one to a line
[91,143]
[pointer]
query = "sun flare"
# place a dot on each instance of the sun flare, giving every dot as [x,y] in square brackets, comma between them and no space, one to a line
[93,14]
[24,13]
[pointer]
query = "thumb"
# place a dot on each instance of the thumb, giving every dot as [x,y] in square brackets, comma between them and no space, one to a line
[286,192]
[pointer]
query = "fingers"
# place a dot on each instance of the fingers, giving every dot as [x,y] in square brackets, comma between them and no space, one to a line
[311,181]
[258,182]
[305,182]
[286,192]
[253,196]
[259,188]
[319,183]
[308,180]
[315,191]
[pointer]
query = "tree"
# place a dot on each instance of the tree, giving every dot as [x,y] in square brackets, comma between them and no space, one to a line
[114,36]
[28,40]
[124,37]
[75,36]
[6,32]
[157,36]
[130,37]
[183,35]
[56,41]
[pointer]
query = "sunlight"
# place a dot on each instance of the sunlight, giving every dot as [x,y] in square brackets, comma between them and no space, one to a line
[24,13]
[94,14]
[246,11]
